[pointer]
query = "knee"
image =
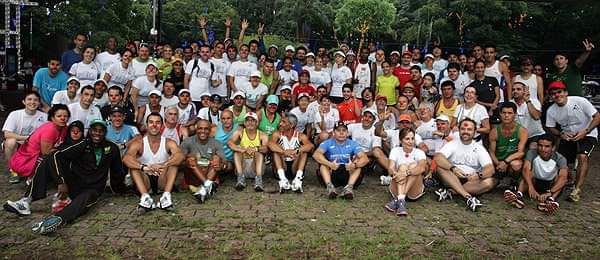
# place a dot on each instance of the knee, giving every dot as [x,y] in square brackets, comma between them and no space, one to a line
[582,158]
[489,183]
[10,144]
[516,165]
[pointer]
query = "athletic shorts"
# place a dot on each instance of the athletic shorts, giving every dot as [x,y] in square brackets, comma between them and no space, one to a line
[541,186]
[340,177]
[570,149]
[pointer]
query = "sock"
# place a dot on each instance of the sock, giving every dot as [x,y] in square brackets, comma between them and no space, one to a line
[27,199]
[401,197]
[520,193]
[207,183]
[166,194]
[281,174]
[299,175]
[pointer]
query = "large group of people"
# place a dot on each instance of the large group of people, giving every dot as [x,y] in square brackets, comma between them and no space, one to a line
[458,123]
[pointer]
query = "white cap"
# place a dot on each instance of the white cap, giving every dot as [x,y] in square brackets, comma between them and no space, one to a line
[183,90]
[252,115]
[504,57]
[341,53]
[290,48]
[310,54]
[205,94]
[429,55]
[442,117]
[273,46]
[255,73]
[395,52]
[350,52]
[286,87]
[239,93]
[100,80]
[155,92]
[73,78]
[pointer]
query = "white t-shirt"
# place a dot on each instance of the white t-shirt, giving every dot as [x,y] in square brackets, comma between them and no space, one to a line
[440,64]
[534,127]
[399,157]
[61,97]
[393,136]
[572,117]
[332,117]
[105,60]
[363,75]
[139,68]
[186,114]
[120,76]
[205,114]
[144,87]
[460,83]
[21,123]
[319,78]
[304,118]
[86,116]
[477,113]
[364,137]
[241,71]
[200,77]
[531,83]
[287,77]
[426,129]
[221,67]
[253,94]
[339,76]
[169,102]
[100,102]
[86,73]
[469,158]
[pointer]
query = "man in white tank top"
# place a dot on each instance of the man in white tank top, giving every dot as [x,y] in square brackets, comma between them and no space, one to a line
[534,83]
[498,70]
[290,147]
[157,156]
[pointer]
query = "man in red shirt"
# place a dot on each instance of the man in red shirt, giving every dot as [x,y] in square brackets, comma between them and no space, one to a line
[402,72]
[351,108]
[416,79]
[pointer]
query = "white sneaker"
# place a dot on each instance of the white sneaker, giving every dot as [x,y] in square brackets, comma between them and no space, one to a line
[128,180]
[165,202]
[443,194]
[19,207]
[473,203]
[284,184]
[297,185]
[385,180]
[200,195]
[146,202]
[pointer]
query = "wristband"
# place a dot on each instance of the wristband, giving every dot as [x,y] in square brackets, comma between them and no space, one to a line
[452,168]
[480,175]
[142,167]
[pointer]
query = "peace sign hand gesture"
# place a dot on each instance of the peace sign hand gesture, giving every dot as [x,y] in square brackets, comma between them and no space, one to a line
[202,21]
[245,24]
[589,46]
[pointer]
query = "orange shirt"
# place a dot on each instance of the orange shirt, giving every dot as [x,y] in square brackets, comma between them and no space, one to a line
[347,111]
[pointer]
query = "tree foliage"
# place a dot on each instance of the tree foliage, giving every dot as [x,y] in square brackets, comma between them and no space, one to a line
[376,15]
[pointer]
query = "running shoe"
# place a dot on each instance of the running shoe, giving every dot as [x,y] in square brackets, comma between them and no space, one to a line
[514,198]
[146,204]
[165,202]
[549,206]
[19,207]
[574,196]
[391,206]
[241,183]
[443,194]
[211,189]
[284,185]
[331,191]
[297,185]
[13,177]
[258,184]
[348,193]
[201,194]
[473,203]
[401,210]
[385,180]
[48,225]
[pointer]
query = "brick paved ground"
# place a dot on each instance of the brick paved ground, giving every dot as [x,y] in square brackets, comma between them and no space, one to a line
[272,225]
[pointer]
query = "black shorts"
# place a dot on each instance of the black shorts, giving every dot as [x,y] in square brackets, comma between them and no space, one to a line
[340,177]
[542,186]
[570,149]
[336,100]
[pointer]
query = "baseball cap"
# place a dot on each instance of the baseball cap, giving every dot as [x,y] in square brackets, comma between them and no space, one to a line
[205,94]
[344,45]
[404,117]
[350,52]
[286,87]
[407,53]
[395,52]
[373,113]
[98,122]
[183,90]
[304,72]
[251,115]
[255,73]
[340,124]
[303,94]
[216,98]
[151,64]
[228,39]
[154,92]
[239,93]
[310,54]
[504,57]
[380,97]
[73,78]
[341,53]
[442,117]
[429,55]
[290,48]
[272,99]
[116,109]
[100,80]
[556,85]
[274,46]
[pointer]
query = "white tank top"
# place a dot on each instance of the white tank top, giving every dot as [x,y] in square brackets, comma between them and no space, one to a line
[148,111]
[148,157]
[531,83]
[185,113]
[494,72]
[172,133]
[289,144]
[379,70]
[363,75]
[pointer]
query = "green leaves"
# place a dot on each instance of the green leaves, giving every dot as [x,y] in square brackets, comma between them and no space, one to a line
[376,16]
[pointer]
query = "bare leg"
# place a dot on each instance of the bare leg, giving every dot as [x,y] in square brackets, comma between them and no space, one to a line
[449,179]
[237,161]
[167,180]
[325,174]
[278,161]
[380,157]
[480,186]
[353,176]
[300,162]
[10,146]
[582,170]
[141,180]
[258,163]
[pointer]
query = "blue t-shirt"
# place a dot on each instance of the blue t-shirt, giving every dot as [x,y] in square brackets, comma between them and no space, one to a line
[68,59]
[122,136]
[47,85]
[223,137]
[340,153]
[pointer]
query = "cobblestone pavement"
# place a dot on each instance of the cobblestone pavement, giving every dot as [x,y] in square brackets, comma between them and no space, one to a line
[247,224]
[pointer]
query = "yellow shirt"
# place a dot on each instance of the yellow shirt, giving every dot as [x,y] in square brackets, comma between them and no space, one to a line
[448,111]
[386,86]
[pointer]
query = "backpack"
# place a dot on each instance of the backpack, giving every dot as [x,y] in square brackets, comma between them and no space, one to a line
[195,66]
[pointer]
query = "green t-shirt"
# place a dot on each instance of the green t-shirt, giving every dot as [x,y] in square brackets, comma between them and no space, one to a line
[571,77]
[386,86]
[268,126]
[167,70]
[267,80]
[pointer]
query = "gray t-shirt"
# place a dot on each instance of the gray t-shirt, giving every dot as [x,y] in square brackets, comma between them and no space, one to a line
[193,146]
[546,170]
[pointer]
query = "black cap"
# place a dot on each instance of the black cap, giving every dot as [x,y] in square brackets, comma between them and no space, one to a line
[116,109]
[216,98]
[340,124]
